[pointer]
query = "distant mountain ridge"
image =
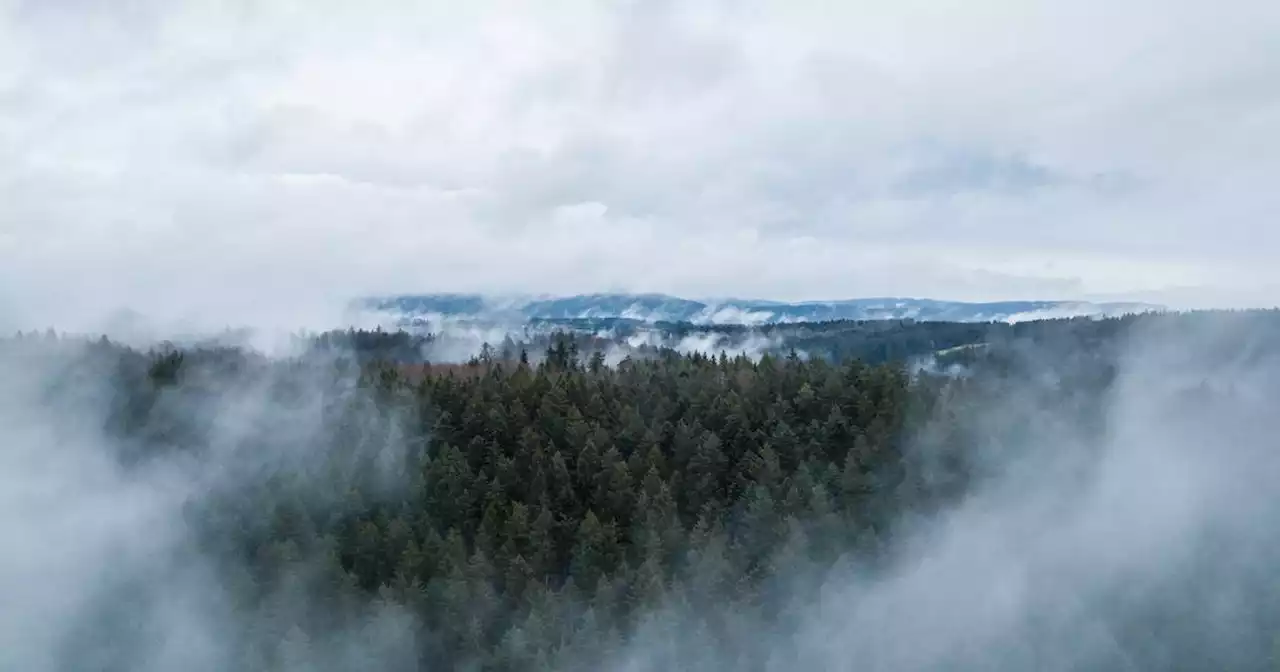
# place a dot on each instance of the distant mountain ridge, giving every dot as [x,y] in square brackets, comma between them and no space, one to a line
[664,308]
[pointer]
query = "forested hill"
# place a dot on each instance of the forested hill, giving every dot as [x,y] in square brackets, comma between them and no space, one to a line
[543,509]
[615,339]
[872,341]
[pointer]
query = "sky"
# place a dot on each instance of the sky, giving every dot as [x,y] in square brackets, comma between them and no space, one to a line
[247,162]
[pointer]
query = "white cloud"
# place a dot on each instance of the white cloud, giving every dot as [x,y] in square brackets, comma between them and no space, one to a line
[240,161]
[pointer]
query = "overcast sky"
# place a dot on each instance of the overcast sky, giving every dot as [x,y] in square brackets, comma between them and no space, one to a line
[245,159]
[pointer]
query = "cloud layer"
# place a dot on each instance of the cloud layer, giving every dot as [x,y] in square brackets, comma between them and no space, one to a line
[236,162]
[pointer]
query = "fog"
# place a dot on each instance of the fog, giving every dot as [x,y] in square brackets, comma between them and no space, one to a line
[1146,551]
[459,339]
[104,571]
[1148,545]
[233,174]
[1146,542]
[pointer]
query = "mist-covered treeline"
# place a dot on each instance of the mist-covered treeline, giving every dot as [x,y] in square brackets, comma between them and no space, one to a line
[870,341]
[343,510]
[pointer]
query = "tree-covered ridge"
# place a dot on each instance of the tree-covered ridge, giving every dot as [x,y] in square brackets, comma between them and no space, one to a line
[837,341]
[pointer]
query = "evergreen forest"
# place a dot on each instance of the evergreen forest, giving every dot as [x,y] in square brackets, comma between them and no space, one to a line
[540,507]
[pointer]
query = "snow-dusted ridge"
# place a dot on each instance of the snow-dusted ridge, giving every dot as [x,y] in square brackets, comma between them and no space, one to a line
[664,308]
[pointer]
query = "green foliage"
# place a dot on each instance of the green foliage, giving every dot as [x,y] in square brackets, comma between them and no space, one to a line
[527,514]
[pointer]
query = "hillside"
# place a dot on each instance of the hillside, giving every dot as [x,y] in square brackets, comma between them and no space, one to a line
[663,308]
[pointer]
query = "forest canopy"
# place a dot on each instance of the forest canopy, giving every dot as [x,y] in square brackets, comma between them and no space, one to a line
[541,508]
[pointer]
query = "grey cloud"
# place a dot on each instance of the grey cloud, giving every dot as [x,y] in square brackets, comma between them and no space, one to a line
[960,171]
[193,151]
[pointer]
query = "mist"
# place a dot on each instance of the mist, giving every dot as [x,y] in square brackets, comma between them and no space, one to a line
[221,456]
[1144,547]
[1144,541]
[1129,531]
[109,570]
